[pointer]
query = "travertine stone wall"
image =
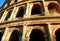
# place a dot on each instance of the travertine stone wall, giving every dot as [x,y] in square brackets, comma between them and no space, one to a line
[48,23]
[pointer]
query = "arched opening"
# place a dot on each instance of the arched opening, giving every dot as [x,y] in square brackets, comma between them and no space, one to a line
[50,0]
[37,35]
[15,36]
[53,8]
[9,14]
[57,33]
[20,12]
[37,9]
[1,14]
[16,0]
[1,35]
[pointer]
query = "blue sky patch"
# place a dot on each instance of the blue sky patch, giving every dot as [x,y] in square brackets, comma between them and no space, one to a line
[1,2]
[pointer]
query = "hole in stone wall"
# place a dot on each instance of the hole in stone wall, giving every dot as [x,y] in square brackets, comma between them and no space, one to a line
[50,0]
[16,0]
[53,8]
[57,33]
[37,35]
[36,9]
[1,14]
[15,36]
[9,14]
[21,12]
[1,35]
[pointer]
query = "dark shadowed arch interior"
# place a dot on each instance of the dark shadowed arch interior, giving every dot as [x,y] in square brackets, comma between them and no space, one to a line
[15,36]
[1,35]
[37,35]
[54,6]
[57,33]
[36,9]
[16,0]
[1,14]
[21,12]
[50,0]
[9,14]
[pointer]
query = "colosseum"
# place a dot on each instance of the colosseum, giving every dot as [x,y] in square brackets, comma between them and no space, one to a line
[30,20]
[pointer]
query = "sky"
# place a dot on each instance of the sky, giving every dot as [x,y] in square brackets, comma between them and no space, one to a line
[1,2]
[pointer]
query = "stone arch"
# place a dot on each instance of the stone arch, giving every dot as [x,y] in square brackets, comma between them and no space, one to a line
[35,27]
[36,9]
[15,36]
[36,35]
[57,34]
[21,12]
[50,0]
[16,0]
[53,7]
[9,14]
